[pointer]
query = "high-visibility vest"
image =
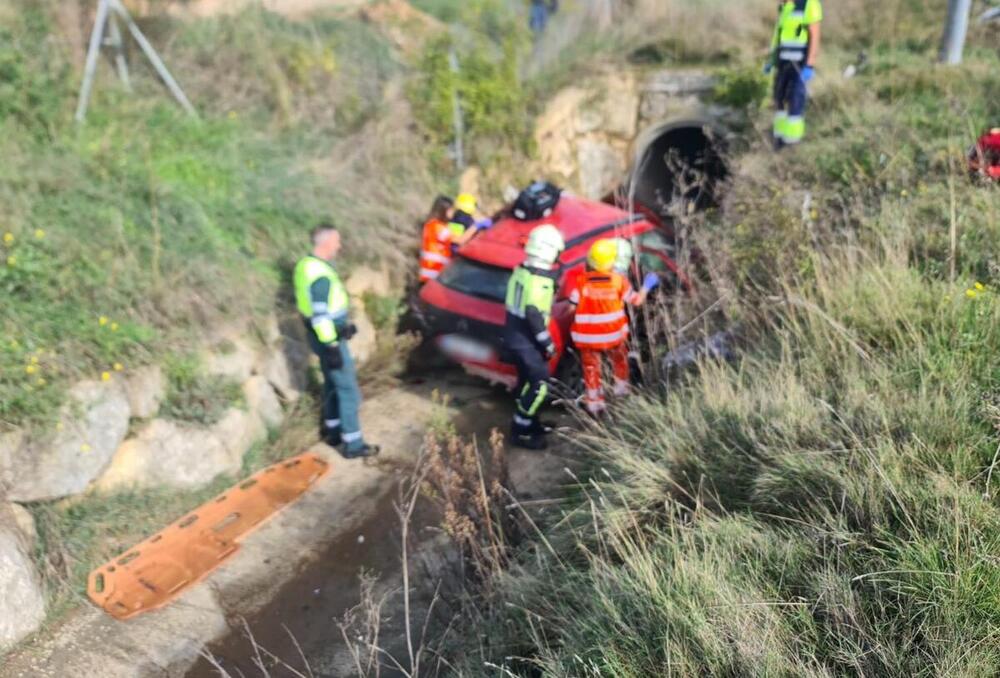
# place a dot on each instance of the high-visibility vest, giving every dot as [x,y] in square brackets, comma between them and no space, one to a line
[530,288]
[323,315]
[600,321]
[791,35]
[435,250]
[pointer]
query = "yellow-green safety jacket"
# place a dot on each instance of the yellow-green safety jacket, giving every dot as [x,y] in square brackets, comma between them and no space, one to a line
[530,293]
[791,34]
[321,297]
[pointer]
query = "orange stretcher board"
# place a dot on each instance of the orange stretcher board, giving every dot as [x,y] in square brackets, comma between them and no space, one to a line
[157,570]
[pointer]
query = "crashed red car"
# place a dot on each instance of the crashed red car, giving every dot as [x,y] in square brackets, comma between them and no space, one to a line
[463,310]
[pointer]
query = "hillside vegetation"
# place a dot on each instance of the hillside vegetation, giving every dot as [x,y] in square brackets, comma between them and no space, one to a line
[124,238]
[827,503]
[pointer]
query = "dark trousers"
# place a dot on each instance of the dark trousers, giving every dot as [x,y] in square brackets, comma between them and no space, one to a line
[341,395]
[532,384]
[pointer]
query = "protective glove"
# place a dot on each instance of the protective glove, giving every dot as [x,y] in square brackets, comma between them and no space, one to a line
[550,350]
[650,282]
[483,224]
[808,73]
[349,332]
[768,67]
[334,355]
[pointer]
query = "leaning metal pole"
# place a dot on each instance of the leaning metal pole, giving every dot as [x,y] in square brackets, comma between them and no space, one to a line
[153,57]
[106,21]
[93,51]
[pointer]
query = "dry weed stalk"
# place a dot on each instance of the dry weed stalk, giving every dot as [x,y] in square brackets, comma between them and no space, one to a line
[471,499]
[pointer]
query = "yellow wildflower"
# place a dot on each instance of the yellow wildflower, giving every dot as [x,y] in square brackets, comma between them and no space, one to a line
[971,294]
[105,376]
[39,233]
[980,286]
[233,115]
[904,193]
[12,260]
[114,327]
[119,367]
[8,238]
[30,369]
[34,360]
[85,448]
[102,321]
[41,381]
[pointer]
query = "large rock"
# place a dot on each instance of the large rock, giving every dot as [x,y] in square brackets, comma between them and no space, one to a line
[239,430]
[262,400]
[183,456]
[25,523]
[602,168]
[285,368]
[365,342]
[22,605]
[145,387]
[232,357]
[365,279]
[63,463]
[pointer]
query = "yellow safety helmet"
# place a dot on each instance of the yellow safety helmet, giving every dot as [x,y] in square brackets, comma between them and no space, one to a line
[602,255]
[466,202]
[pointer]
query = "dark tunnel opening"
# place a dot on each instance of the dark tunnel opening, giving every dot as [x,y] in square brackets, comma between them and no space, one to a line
[681,170]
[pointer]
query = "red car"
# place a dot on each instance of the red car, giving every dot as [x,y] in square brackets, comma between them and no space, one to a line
[463,310]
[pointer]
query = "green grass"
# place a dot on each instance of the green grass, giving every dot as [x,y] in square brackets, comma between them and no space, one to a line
[826,505]
[162,223]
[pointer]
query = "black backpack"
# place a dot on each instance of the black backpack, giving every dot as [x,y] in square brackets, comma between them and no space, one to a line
[537,201]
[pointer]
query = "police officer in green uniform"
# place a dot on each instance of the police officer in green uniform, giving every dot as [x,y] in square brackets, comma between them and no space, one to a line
[530,293]
[322,300]
[794,49]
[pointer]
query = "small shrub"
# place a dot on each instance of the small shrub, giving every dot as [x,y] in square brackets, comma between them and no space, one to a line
[195,397]
[743,88]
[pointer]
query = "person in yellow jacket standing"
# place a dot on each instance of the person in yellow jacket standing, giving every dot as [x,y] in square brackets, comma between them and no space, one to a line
[323,302]
[794,49]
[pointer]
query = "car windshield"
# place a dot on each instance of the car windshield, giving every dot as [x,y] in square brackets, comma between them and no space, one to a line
[475,278]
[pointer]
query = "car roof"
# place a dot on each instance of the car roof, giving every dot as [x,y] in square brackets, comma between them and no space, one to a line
[579,220]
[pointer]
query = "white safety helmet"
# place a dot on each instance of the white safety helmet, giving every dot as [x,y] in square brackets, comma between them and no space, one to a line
[545,243]
[623,260]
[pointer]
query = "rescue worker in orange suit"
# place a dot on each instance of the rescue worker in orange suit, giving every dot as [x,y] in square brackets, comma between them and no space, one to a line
[435,249]
[600,324]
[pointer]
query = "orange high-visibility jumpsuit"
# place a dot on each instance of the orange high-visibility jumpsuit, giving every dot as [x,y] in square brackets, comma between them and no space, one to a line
[600,326]
[435,251]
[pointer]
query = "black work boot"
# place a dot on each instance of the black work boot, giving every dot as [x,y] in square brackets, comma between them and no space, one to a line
[361,452]
[331,436]
[529,441]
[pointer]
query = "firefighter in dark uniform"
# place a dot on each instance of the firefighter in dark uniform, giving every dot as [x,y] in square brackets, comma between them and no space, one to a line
[530,294]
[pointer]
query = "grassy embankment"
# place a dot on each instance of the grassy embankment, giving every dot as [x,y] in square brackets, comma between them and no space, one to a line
[827,504]
[130,235]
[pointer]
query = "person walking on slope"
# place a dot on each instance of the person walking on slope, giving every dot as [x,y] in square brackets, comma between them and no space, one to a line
[530,293]
[435,248]
[323,302]
[600,324]
[794,49]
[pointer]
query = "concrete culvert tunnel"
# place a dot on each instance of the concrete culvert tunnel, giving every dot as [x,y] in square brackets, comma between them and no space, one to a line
[679,165]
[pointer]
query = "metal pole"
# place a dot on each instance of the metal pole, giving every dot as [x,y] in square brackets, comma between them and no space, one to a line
[153,57]
[456,104]
[115,39]
[953,42]
[96,37]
